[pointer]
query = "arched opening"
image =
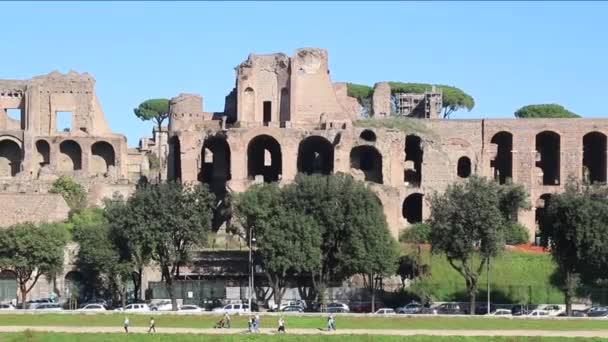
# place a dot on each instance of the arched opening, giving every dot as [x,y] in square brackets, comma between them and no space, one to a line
[594,158]
[215,172]
[175,165]
[102,157]
[73,286]
[368,135]
[464,167]
[369,160]
[548,148]
[10,158]
[249,104]
[8,286]
[412,208]
[502,164]
[44,152]
[315,155]
[264,158]
[70,156]
[413,159]
[539,214]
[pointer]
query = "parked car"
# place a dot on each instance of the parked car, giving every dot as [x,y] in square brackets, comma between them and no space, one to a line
[449,309]
[519,310]
[140,307]
[191,308]
[285,304]
[385,311]
[93,307]
[427,311]
[538,313]
[598,311]
[32,304]
[102,302]
[49,307]
[553,310]
[164,305]
[500,312]
[482,308]
[410,308]
[293,308]
[6,307]
[337,307]
[575,313]
[233,309]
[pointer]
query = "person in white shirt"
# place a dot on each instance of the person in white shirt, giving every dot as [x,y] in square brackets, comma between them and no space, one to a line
[126,324]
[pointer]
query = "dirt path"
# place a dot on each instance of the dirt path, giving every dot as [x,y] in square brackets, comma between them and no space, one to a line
[395,332]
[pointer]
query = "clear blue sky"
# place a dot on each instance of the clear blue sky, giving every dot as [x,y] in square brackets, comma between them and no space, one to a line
[504,54]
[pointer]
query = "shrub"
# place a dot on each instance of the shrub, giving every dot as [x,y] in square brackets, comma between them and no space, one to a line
[516,234]
[73,193]
[417,233]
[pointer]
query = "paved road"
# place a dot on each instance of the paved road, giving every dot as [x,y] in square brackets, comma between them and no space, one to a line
[395,332]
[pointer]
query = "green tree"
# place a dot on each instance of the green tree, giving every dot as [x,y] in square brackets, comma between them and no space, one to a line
[467,220]
[157,110]
[416,234]
[550,110]
[288,242]
[178,218]
[73,193]
[30,251]
[576,231]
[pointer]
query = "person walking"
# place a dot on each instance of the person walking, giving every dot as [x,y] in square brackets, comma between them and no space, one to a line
[256,323]
[126,324]
[152,325]
[281,325]
[250,324]
[226,320]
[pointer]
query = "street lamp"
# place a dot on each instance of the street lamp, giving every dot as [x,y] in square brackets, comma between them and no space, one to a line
[251,274]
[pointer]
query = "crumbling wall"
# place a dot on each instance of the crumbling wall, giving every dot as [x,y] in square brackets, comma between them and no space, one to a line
[381,100]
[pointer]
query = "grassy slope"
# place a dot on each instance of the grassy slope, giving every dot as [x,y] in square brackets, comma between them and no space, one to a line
[514,275]
[58,337]
[312,322]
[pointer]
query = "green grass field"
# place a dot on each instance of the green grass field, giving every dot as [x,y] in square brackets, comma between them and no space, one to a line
[516,277]
[63,337]
[312,322]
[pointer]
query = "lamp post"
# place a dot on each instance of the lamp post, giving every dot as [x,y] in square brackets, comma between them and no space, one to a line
[488,271]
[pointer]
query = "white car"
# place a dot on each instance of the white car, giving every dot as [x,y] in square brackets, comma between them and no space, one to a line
[232,309]
[93,307]
[191,308]
[164,305]
[385,311]
[554,310]
[501,312]
[6,307]
[285,304]
[48,307]
[539,313]
[134,308]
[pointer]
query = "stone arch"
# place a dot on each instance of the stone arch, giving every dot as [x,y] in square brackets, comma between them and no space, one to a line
[70,156]
[264,158]
[315,155]
[249,104]
[548,156]
[175,157]
[215,163]
[368,135]
[73,285]
[502,162]
[367,159]
[8,286]
[10,158]
[463,168]
[102,157]
[413,160]
[594,157]
[412,208]
[44,152]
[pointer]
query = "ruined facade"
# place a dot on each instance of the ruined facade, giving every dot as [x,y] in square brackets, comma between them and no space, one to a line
[285,116]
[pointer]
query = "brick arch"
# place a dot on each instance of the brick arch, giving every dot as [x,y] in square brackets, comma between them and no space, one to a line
[102,157]
[264,157]
[315,155]
[412,207]
[502,163]
[548,145]
[11,156]
[70,156]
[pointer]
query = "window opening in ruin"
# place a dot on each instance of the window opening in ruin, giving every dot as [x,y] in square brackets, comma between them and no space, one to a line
[548,159]
[369,160]
[249,105]
[175,171]
[412,208]
[10,158]
[64,121]
[464,167]
[264,158]
[215,172]
[284,105]
[267,112]
[102,157]
[594,158]
[413,158]
[14,113]
[315,155]
[44,152]
[541,209]
[368,135]
[70,156]
[502,164]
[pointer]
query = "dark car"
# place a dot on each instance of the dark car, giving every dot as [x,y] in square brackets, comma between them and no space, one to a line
[427,311]
[598,312]
[575,313]
[449,309]
[336,309]
[293,308]
[519,310]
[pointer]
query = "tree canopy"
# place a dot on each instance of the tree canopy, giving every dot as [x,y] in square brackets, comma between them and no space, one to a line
[30,251]
[153,109]
[576,230]
[73,193]
[469,220]
[551,110]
